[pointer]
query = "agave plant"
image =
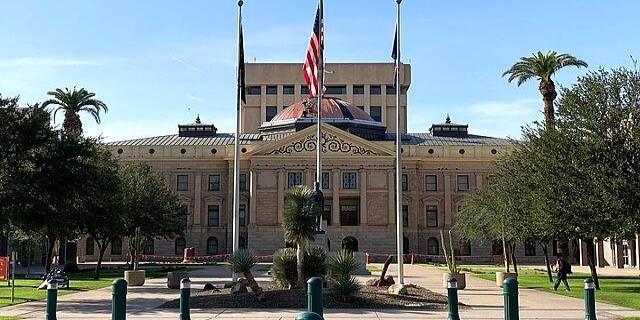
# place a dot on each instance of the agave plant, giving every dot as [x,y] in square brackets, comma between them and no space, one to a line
[346,285]
[346,288]
[242,261]
[284,268]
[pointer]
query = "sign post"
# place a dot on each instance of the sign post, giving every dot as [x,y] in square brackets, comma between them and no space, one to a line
[14,257]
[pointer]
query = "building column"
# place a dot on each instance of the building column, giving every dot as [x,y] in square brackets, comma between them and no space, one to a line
[638,251]
[479,181]
[335,197]
[363,196]
[310,178]
[392,193]
[252,196]
[597,251]
[448,216]
[197,210]
[281,185]
[580,252]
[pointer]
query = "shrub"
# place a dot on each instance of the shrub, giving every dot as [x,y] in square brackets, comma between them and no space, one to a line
[315,262]
[346,288]
[344,263]
[241,261]
[284,271]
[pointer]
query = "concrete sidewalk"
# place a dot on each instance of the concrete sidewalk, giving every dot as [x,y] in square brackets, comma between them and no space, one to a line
[484,298]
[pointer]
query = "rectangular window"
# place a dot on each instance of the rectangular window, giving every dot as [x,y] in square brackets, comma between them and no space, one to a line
[272,90]
[288,90]
[326,181]
[432,216]
[349,215]
[391,90]
[254,91]
[431,182]
[242,214]
[405,182]
[326,213]
[405,215]
[375,90]
[243,182]
[358,89]
[116,246]
[183,182]
[336,90]
[376,113]
[349,180]
[271,112]
[294,179]
[214,182]
[304,90]
[463,183]
[213,215]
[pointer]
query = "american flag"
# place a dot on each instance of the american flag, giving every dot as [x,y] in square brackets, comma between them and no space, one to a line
[312,60]
[394,56]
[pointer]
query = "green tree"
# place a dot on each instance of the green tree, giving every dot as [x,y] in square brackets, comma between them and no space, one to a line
[72,102]
[148,205]
[543,66]
[299,223]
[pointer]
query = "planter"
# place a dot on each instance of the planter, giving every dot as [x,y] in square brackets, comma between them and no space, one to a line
[174,278]
[501,276]
[135,278]
[461,278]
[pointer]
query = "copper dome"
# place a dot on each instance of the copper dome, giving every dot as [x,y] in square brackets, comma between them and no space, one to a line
[332,108]
[336,112]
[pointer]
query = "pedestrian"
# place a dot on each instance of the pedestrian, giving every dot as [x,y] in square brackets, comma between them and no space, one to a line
[563,268]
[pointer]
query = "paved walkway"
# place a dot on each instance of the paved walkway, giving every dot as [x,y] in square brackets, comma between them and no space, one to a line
[484,298]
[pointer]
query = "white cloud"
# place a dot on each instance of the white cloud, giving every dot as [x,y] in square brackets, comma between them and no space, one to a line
[195,98]
[44,62]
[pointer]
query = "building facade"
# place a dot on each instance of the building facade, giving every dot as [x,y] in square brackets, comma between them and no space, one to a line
[440,166]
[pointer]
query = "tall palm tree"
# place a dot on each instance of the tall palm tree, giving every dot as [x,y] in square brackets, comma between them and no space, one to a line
[72,102]
[299,223]
[543,66]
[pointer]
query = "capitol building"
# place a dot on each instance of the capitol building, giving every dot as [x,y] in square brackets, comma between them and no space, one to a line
[441,164]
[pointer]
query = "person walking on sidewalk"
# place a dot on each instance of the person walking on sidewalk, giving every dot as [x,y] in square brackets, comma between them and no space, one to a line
[563,268]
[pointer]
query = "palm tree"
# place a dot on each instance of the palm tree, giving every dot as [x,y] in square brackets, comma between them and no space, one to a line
[72,102]
[543,66]
[299,223]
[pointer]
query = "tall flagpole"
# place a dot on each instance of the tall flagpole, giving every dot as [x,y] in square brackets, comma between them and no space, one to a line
[399,220]
[236,157]
[320,92]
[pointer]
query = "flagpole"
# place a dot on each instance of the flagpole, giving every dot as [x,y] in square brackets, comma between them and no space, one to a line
[399,220]
[319,95]
[236,157]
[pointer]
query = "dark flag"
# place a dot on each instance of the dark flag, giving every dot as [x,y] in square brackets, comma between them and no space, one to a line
[394,56]
[312,58]
[241,80]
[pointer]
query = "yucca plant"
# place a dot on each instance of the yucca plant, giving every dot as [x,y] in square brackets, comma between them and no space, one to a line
[242,261]
[315,262]
[343,265]
[299,222]
[284,271]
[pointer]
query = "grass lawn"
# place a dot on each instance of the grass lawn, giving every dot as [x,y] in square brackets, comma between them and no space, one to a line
[622,291]
[82,281]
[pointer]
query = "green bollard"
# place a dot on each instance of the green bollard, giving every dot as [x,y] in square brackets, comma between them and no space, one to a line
[452,297]
[307,315]
[52,301]
[510,292]
[119,300]
[314,296]
[185,295]
[589,299]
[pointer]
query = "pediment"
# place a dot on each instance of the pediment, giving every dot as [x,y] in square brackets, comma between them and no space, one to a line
[334,142]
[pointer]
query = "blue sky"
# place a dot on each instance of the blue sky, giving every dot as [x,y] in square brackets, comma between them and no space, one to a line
[159,63]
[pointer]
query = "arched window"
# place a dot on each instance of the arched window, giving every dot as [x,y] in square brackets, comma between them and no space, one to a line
[116,247]
[496,248]
[180,244]
[212,245]
[242,243]
[350,244]
[148,247]
[465,247]
[433,247]
[405,245]
[89,247]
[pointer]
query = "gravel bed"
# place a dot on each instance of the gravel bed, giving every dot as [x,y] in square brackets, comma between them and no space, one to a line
[368,298]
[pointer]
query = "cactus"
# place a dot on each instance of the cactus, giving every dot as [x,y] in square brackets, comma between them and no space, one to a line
[449,258]
[135,244]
